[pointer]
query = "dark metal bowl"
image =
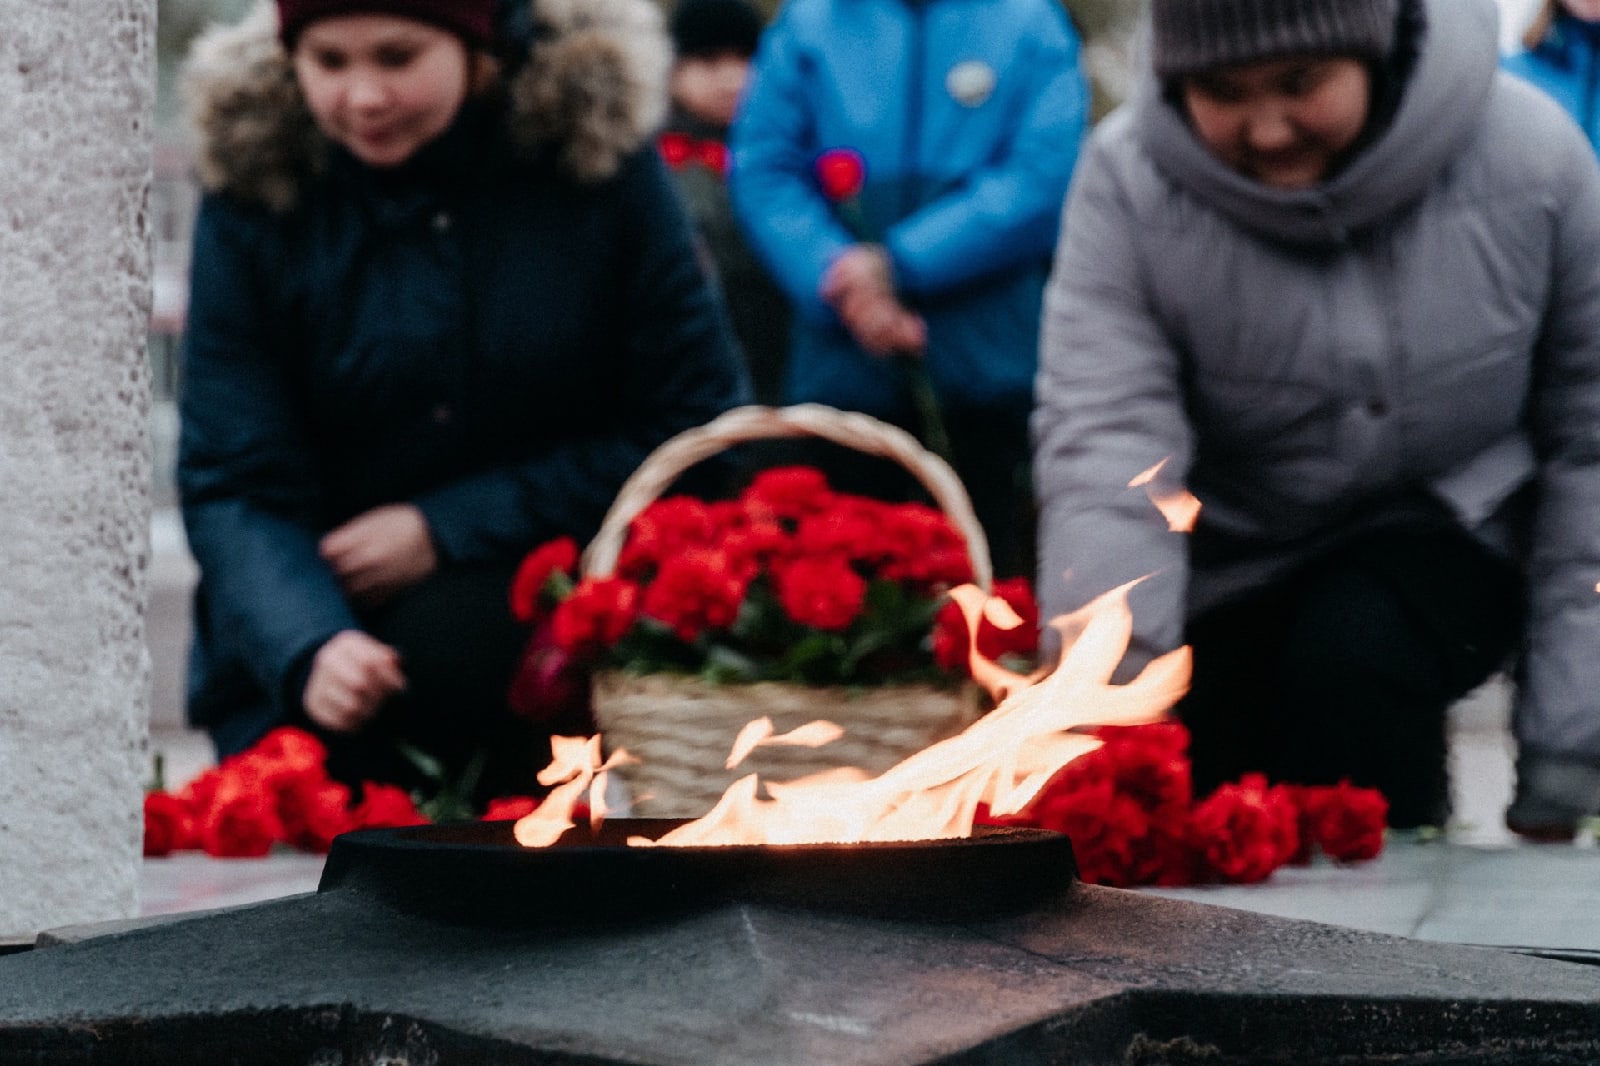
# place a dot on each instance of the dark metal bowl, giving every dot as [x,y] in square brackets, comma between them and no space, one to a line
[475,872]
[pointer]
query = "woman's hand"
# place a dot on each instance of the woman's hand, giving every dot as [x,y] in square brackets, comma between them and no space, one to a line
[860,289]
[380,552]
[351,675]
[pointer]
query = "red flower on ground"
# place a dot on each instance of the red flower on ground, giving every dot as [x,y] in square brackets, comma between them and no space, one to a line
[312,811]
[241,821]
[384,806]
[1245,831]
[556,556]
[1344,820]
[841,173]
[291,749]
[595,616]
[825,593]
[509,808]
[168,824]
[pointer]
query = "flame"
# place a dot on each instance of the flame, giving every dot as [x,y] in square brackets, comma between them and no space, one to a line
[1177,505]
[1002,760]
[759,734]
[577,771]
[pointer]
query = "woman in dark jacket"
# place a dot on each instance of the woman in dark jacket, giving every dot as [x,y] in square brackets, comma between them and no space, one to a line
[438,314]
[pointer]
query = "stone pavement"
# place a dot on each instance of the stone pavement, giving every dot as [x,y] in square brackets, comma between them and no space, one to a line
[1475,885]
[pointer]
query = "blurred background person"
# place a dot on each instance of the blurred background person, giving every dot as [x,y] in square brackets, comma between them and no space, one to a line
[1561,54]
[713,42]
[1342,276]
[900,167]
[441,306]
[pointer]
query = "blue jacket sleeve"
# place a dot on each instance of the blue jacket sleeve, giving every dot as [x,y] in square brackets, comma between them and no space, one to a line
[245,475]
[682,371]
[789,223]
[1007,213]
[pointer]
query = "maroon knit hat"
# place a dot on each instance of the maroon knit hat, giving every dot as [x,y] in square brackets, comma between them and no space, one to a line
[472,20]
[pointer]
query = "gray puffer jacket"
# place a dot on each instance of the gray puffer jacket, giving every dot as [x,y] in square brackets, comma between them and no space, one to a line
[1425,323]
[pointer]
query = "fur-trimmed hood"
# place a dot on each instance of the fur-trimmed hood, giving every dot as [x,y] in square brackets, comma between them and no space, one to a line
[593,89]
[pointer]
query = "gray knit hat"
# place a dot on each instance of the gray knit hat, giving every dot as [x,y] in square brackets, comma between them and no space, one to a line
[1192,35]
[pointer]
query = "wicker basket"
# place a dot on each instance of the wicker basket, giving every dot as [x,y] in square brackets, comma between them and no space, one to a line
[681,728]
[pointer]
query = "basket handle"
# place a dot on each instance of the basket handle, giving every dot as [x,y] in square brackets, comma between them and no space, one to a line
[849,428]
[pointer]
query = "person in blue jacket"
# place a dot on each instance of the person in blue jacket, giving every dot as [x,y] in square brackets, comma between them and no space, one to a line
[437,316]
[1561,55]
[901,166]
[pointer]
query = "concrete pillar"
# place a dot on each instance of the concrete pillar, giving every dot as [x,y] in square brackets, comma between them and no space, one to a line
[77,79]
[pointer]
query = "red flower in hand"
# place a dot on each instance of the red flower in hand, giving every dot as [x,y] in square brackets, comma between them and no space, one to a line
[841,172]
[676,149]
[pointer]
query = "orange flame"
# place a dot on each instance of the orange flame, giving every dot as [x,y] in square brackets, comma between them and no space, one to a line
[1177,505]
[1002,760]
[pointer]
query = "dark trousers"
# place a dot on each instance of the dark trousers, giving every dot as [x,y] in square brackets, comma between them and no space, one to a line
[1346,669]
[458,646]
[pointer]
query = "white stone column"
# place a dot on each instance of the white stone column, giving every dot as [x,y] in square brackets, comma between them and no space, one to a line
[77,80]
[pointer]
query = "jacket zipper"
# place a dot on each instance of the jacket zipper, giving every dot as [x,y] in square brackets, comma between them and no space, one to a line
[912,136]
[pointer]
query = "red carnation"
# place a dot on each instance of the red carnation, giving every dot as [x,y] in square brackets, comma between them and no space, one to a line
[1345,821]
[384,806]
[676,148]
[168,824]
[241,820]
[852,530]
[841,172]
[694,591]
[664,529]
[714,156]
[312,811]
[787,492]
[950,638]
[549,681]
[825,593]
[509,808]
[1245,831]
[922,547]
[291,749]
[559,556]
[596,615]
[1106,829]
[994,642]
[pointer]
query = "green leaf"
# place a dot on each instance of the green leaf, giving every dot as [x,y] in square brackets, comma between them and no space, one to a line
[425,764]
